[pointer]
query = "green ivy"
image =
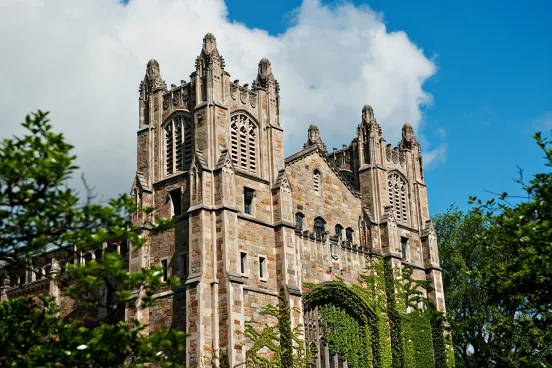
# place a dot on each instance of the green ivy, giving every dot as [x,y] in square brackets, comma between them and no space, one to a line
[398,326]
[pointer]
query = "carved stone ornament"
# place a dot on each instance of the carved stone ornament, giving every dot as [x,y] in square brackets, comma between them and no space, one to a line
[367,114]
[185,92]
[153,76]
[314,138]
[176,97]
[166,102]
[388,150]
[408,138]
[234,91]
[395,155]
[402,157]
[253,99]
[348,157]
[243,95]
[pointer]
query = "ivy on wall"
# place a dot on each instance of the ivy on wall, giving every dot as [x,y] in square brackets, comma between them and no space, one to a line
[385,322]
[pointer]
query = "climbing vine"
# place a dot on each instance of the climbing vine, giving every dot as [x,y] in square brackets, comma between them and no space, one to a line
[383,322]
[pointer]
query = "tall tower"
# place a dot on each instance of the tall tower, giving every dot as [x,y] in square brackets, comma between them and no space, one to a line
[211,155]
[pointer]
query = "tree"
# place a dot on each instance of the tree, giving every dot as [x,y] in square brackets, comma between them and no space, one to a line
[39,212]
[497,262]
[468,303]
[520,281]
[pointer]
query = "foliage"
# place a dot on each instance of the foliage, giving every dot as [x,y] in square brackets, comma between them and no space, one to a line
[39,213]
[498,266]
[394,338]
[278,345]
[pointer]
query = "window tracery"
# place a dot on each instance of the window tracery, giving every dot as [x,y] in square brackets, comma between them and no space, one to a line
[243,142]
[178,144]
[398,194]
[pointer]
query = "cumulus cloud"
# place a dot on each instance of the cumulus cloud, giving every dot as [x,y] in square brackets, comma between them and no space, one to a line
[83,61]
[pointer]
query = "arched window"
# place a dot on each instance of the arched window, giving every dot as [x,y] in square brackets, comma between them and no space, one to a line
[349,234]
[47,270]
[316,181]
[299,217]
[178,144]
[338,230]
[243,142]
[319,226]
[398,194]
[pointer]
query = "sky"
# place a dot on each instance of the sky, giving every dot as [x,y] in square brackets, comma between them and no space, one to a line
[472,77]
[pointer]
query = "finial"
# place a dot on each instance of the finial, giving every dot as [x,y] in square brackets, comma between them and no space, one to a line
[408,137]
[153,76]
[367,114]
[314,138]
[264,75]
[209,43]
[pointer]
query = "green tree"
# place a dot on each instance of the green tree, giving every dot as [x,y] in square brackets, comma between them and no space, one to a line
[468,304]
[39,212]
[520,281]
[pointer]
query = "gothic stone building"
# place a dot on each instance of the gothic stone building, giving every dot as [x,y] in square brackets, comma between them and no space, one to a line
[253,224]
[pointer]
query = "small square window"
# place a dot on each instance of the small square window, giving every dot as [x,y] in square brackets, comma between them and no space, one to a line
[176,202]
[243,263]
[262,269]
[248,197]
[164,264]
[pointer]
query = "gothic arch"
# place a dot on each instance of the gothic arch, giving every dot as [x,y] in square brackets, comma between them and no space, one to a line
[178,142]
[245,141]
[398,194]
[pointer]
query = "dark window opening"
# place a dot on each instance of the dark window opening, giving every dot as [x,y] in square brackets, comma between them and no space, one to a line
[165,269]
[176,199]
[184,264]
[262,264]
[243,261]
[319,225]
[248,195]
[299,221]
[338,229]
[404,246]
[349,233]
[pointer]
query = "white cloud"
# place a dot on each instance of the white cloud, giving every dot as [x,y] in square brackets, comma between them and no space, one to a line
[83,61]
[436,156]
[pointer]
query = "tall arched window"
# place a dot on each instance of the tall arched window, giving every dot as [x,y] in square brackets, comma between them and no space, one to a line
[178,144]
[316,181]
[319,226]
[398,194]
[243,142]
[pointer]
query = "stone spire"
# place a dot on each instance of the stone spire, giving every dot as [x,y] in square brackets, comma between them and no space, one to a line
[265,79]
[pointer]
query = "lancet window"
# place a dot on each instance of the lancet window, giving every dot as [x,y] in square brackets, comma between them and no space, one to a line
[398,197]
[178,144]
[243,142]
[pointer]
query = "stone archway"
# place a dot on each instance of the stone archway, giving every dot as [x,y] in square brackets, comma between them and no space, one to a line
[339,324]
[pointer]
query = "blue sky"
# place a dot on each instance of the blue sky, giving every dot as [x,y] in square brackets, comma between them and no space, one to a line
[491,92]
[472,77]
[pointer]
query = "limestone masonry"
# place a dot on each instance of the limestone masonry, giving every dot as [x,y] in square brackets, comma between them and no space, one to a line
[253,224]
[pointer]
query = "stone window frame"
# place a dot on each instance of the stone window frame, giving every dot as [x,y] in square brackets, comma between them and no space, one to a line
[350,231]
[182,130]
[315,225]
[175,196]
[317,181]
[165,272]
[404,248]
[184,264]
[341,228]
[263,266]
[399,196]
[244,271]
[244,141]
[302,222]
[253,201]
